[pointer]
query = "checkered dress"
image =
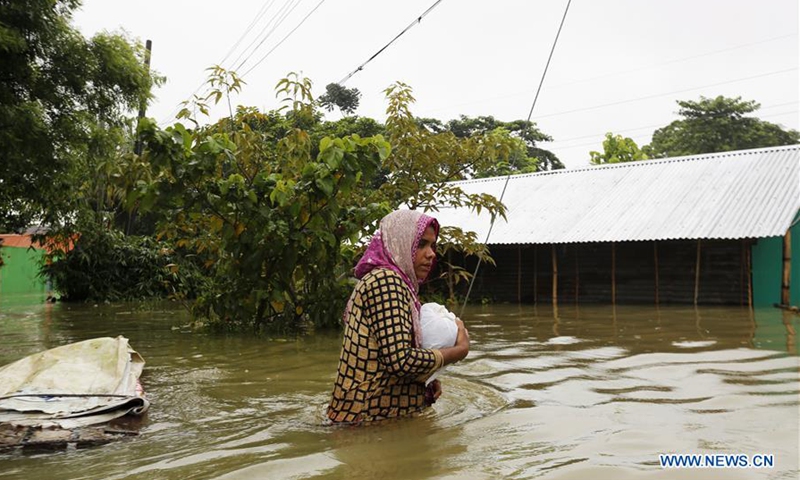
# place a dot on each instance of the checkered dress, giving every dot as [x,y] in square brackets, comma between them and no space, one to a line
[380,374]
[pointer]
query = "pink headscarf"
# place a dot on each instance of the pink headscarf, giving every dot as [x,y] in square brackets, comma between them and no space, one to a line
[393,247]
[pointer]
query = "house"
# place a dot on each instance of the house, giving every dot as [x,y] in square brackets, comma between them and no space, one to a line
[20,259]
[714,229]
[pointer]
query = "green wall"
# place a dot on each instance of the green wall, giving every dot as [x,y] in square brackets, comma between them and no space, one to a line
[767,258]
[775,330]
[19,273]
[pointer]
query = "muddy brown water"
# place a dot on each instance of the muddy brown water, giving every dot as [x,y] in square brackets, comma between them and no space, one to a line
[595,393]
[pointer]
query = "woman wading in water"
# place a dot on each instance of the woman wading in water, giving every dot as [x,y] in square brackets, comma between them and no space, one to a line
[382,370]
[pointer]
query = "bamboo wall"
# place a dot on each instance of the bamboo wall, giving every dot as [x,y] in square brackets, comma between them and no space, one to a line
[624,272]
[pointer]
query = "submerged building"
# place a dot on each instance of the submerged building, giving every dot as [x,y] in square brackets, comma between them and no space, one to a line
[20,260]
[704,229]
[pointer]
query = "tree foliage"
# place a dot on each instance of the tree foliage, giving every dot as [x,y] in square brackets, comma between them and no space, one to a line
[424,163]
[63,106]
[107,265]
[528,158]
[341,97]
[274,206]
[271,216]
[617,149]
[717,125]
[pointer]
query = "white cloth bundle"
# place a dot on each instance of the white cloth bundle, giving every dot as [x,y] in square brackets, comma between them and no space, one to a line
[439,329]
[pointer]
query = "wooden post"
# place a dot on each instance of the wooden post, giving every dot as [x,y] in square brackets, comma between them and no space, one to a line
[697,274]
[450,286]
[655,257]
[535,274]
[742,263]
[577,276]
[787,268]
[749,274]
[788,318]
[138,145]
[697,322]
[613,273]
[555,273]
[519,274]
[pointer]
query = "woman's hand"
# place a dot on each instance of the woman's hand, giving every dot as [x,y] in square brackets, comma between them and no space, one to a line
[460,350]
[437,389]
[463,335]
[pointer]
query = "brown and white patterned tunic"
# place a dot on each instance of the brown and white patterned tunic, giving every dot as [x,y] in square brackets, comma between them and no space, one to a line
[381,375]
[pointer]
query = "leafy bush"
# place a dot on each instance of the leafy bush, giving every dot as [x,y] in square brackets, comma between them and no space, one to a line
[274,206]
[106,265]
[269,215]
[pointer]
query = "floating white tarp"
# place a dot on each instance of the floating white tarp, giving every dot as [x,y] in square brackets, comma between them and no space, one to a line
[79,384]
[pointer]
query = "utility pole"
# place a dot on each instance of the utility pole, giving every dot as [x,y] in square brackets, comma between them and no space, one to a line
[138,146]
[143,104]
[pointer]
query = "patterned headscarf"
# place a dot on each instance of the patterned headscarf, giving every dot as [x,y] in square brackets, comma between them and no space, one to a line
[393,247]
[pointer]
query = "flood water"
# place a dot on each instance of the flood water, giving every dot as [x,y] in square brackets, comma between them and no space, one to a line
[595,393]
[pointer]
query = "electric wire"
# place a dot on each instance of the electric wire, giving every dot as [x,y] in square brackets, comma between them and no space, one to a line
[614,74]
[418,20]
[283,39]
[656,95]
[505,185]
[263,30]
[278,19]
[675,60]
[249,28]
[258,16]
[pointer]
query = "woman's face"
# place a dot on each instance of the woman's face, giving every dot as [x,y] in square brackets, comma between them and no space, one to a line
[425,254]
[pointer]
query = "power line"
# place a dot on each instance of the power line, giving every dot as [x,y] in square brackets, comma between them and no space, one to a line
[505,185]
[256,19]
[549,57]
[259,14]
[279,18]
[283,39]
[677,60]
[418,20]
[614,74]
[648,97]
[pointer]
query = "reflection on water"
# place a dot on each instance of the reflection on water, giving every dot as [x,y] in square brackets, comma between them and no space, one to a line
[596,393]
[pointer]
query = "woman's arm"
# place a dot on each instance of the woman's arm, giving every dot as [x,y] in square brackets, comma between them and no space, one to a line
[387,302]
[460,350]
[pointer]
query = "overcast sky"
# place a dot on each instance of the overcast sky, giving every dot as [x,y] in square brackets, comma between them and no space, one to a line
[619,65]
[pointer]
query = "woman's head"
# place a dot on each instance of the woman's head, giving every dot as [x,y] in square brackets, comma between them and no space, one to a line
[425,253]
[405,243]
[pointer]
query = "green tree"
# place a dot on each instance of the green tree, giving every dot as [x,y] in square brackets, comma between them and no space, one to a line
[617,149]
[275,218]
[361,126]
[107,265]
[424,163]
[272,218]
[343,98]
[537,159]
[717,125]
[63,106]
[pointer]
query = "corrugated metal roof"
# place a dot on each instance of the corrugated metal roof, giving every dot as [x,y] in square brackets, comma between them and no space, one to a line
[742,194]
